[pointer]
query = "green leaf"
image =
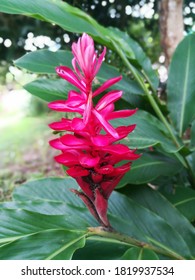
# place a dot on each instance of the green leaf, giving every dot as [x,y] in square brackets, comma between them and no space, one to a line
[126,215]
[150,167]
[78,21]
[181,85]
[21,227]
[149,132]
[192,143]
[155,227]
[56,11]
[143,61]
[159,205]
[49,245]
[49,90]
[15,223]
[52,189]
[44,61]
[191,160]
[99,248]
[40,206]
[184,200]
[128,86]
[62,194]
[139,254]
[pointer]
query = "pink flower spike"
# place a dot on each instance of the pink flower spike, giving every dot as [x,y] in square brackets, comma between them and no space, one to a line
[100,140]
[67,159]
[85,58]
[106,85]
[121,114]
[100,60]
[64,124]
[77,171]
[85,187]
[57,144]
[108,98]
[121,169]
[88,161]
[108,128]
[89,204]
[106,169]
[59,105]
[62,106]
[110,185]
[89,144]
[67,74]
[123,131]
[117,149]
[79,51]
[77,124]
[88,109]
[74,141]
[101,205]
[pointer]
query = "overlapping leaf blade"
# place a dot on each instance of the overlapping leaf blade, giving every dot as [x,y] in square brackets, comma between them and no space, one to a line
[45,62]
[20,223]
[49,89]
[181,85]
[184,200]
[141,58]
[79,22]
[192,143]
[126,215]
[149,132]
[139,254]
[98,248]
[50,11]
[158,204]
[149,167]
[52,244]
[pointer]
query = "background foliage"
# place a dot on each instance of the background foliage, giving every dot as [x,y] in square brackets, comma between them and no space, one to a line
[154,202]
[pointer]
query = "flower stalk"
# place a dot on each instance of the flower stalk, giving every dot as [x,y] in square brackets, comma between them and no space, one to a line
[115,235]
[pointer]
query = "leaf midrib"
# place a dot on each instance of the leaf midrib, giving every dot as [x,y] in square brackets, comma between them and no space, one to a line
[146,164]
[57,252]
[183,103]
[184,201]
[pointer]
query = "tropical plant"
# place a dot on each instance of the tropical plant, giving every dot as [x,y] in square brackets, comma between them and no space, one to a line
[152,211]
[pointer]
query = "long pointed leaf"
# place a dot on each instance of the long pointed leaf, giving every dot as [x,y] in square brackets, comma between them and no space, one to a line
[78,21]
[125,214]
[54,244]
[139,254]
[154,201]
[181,84]
[150,167]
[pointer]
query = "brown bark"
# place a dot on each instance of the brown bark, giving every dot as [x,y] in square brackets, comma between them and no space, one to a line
[171,26]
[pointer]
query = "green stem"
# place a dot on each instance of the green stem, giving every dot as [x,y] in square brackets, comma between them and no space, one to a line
[112,234]
[147,92]
[191,173]
[152,101]
[149,82]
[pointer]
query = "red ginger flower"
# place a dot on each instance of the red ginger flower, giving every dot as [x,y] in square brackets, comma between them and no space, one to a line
[89,149]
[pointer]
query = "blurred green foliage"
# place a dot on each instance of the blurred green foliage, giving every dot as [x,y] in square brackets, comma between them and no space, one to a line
[145,29]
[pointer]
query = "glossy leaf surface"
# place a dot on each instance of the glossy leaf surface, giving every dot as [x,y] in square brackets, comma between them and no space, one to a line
[181,84]
[128,216]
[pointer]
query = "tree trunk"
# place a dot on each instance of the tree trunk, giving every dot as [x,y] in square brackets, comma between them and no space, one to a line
[171,26]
